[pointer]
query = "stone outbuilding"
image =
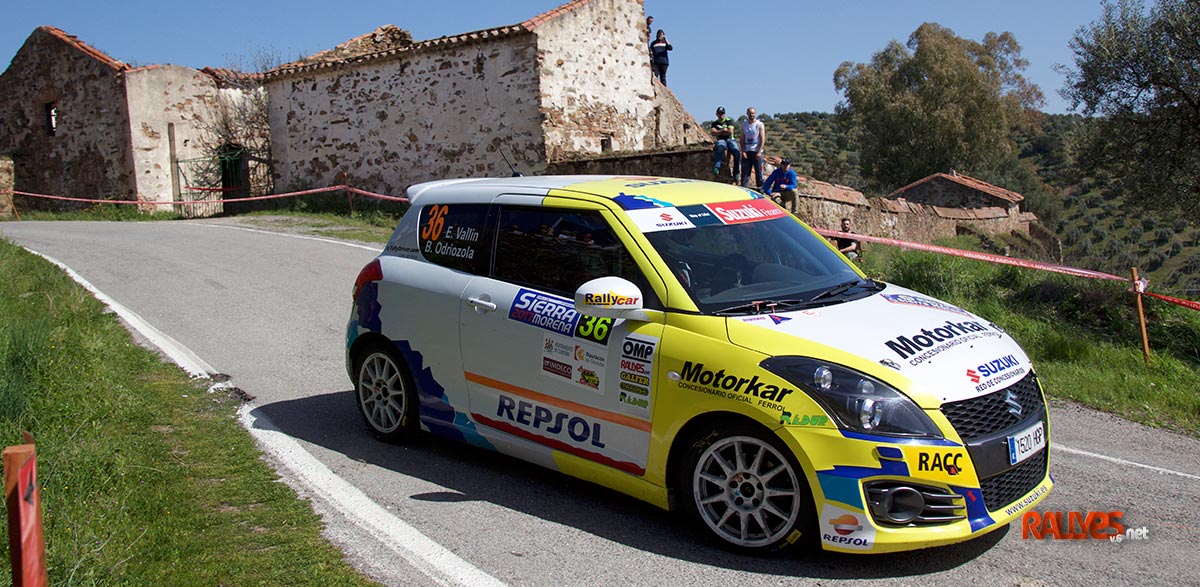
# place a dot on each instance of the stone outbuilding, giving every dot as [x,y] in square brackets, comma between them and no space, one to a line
[953,199]
[383,111]
[79,123]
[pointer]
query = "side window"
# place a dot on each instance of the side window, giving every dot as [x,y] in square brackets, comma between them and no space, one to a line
[453,235]
[559,250]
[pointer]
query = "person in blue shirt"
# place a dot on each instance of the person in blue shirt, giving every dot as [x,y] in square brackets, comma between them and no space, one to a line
[782,181]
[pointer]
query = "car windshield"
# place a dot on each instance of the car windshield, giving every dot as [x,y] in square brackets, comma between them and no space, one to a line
[753,267]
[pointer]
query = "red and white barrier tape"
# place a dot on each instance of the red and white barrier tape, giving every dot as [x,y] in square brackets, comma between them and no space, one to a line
[1006,261]
[221,201]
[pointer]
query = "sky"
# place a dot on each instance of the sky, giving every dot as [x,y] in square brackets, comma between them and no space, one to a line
[776,55]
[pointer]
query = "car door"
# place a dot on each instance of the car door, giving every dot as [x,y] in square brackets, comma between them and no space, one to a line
[540,374]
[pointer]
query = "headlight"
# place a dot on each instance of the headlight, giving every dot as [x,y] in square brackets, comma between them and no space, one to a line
[858,402]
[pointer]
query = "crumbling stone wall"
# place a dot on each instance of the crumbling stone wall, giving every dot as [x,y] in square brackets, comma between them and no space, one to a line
[88,154]
[159,96]
[6,186]
[437,110]
[689,162]
[596,84]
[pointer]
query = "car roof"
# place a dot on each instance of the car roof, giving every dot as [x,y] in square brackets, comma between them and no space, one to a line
[664,191]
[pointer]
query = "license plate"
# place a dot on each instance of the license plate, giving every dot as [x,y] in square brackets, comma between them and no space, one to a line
[1026,443]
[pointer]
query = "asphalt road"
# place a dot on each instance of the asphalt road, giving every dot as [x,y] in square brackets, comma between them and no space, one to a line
[270,310]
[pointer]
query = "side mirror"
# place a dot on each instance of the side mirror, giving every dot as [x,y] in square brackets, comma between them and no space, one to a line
[610,297]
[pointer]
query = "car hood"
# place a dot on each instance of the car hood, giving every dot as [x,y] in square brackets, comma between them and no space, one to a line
[946,352]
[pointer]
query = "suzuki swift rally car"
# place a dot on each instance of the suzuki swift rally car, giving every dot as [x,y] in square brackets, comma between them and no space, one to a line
[694,346]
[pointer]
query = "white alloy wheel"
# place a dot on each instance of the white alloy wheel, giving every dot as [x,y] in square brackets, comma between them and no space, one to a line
[384,394]
[747,492]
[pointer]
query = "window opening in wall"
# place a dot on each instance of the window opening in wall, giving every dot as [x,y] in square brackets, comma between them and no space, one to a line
[51,118]
[605,144]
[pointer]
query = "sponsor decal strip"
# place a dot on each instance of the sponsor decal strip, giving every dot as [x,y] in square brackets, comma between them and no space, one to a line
[619,419]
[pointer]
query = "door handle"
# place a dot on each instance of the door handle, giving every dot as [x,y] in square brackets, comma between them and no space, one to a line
[481,304]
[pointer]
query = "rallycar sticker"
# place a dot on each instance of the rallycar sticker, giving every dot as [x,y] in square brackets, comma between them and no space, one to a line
[846,529]
[660,219]
[636,373]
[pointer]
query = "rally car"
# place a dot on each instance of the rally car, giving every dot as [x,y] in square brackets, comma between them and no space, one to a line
[695,346]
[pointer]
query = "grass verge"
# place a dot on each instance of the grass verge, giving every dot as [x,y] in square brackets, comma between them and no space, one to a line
[1082,335]
[146,478]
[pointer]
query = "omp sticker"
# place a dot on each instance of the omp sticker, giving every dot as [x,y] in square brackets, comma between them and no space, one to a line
[911,300]
[747,211]
[659,219]
[544,311]
[846,529]
[636,373]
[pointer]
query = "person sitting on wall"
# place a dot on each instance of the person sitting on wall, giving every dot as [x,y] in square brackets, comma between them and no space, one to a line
[782,181]
[722,133]
[849,246]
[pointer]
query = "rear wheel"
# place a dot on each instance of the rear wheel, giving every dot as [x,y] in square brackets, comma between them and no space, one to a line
[385,394]
[743,487]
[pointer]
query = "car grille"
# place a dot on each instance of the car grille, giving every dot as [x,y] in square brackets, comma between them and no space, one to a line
[1001,490]
[989,413]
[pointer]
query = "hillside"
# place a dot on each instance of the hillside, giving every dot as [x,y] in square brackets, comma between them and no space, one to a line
[1096,229]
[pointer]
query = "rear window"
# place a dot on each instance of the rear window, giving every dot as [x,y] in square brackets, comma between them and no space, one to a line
[453,235]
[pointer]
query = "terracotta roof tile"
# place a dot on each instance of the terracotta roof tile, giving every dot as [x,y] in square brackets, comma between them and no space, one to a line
[810,187]
[968,181]
[306,65]
[88,50]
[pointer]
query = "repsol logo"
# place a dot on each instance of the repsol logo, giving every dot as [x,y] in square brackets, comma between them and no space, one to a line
[947,462]
[549,421]
[906,346]
[846,540]
[696,373]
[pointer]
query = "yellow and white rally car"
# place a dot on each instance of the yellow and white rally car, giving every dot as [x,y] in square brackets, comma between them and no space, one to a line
[693,345]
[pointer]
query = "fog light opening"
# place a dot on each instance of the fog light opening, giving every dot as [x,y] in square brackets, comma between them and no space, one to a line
[903,504]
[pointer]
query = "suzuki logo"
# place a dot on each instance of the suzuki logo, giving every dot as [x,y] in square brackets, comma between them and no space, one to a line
[666,217]
[973,375]
[1014,406]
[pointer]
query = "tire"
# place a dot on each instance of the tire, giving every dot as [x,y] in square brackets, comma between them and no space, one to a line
[384,392]
[743,487]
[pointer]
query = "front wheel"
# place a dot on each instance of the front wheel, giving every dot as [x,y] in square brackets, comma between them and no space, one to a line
[385,394]
[743,488]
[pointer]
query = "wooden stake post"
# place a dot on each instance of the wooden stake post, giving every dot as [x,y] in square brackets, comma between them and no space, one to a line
[1138,287]
[25,543]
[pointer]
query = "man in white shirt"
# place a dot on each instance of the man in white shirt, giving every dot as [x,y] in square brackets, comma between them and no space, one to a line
[753,140]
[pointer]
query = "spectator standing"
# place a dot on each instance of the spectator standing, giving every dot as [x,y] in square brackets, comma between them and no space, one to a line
[722,133]
[848,246]
[782,181]
[658,51]
[753,141]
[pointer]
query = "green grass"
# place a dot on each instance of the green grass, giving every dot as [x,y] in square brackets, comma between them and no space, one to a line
[146,478]
[1082,334]
[105,212]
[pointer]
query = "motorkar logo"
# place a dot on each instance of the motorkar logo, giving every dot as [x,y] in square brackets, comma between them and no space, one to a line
[1079,526]
[907,346]
[721,381]
[993,368]
[751,211]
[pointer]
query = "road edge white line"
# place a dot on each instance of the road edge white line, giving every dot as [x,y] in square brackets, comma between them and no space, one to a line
[426,555]
[1160,470]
